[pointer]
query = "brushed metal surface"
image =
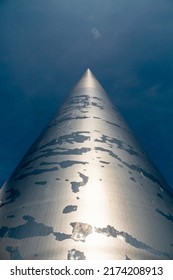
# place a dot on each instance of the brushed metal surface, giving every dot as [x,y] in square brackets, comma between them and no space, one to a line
[86,189]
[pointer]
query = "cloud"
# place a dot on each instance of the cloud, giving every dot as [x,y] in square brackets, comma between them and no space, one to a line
[95,33]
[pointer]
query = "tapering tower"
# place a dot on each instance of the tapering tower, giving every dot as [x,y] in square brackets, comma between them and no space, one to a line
[86,189]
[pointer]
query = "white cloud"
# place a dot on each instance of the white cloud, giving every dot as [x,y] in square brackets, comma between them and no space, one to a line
[95,33]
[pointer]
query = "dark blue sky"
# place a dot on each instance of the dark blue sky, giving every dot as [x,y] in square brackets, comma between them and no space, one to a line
[45,46]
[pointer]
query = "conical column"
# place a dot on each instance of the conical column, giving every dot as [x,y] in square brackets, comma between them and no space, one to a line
[86,189]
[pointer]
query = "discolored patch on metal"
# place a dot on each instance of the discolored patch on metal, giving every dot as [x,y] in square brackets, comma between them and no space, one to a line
[69,118]
[74,137]
[136,168]
[124,236]
[167,216]
[97,118]
[100,106]
[35,255]
[3,231]
[74,254]
[79,102]
[64,164]
[42,183]
[36,172]
[10,196]
[69,209]
[127,258]
[120,144]
[80,231]
[28,230]
[64,151]
[160,196]
[114,124]
[105,162]
[76,185]
[14,253]
[54,152]
[61,236]
[100,99]
[10,216]
[132,179]
[69,163]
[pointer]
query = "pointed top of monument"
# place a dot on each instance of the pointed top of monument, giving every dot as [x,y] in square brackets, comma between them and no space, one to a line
[88,80]
[87,73]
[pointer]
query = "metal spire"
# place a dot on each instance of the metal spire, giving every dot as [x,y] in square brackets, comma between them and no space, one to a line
[86,189]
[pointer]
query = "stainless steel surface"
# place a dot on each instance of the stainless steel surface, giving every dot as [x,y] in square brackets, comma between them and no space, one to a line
[86,189]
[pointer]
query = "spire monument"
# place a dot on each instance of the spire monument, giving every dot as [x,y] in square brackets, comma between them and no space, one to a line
[86,189]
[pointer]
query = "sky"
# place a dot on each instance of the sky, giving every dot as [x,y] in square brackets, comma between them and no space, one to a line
[45,47]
